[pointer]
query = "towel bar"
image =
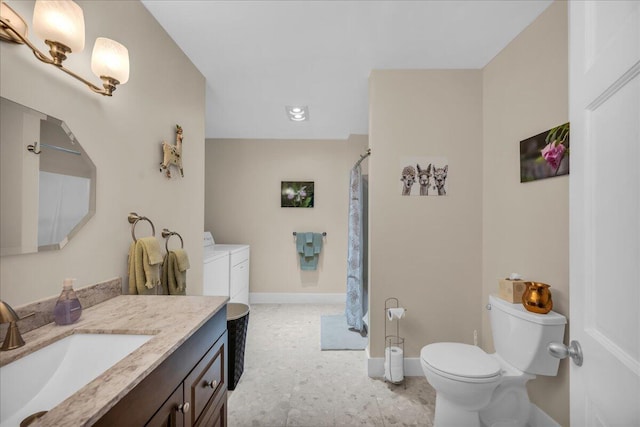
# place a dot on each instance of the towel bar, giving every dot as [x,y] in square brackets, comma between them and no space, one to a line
[133,219]
[324,233]
[167,235]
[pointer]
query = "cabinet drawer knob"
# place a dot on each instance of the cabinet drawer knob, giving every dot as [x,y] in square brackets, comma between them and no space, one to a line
[212,383]
[184,408]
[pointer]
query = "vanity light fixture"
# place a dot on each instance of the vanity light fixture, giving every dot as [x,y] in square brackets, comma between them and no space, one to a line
[297,114]
[60,23]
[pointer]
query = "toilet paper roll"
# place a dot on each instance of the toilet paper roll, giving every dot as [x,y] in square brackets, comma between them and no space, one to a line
[393,364]
[395,313]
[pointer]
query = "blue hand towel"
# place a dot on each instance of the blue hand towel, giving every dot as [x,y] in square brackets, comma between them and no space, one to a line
[309,250]
[308,263]
[317,243]
[300,241]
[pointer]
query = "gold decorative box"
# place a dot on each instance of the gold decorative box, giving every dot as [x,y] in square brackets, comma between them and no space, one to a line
[512,290]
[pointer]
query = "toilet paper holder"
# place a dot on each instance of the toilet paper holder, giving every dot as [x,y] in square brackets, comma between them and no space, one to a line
[393,343]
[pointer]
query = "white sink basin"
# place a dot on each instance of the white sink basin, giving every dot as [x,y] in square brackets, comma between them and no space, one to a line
[46,377]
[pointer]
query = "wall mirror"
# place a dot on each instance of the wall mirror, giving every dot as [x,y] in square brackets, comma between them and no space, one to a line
[47,181]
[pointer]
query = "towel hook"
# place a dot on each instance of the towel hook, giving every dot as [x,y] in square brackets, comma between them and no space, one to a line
[133,219]
[167,235]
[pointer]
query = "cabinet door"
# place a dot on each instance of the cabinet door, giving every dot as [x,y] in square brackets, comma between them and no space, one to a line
[170,413]
[216,414]
[207,380]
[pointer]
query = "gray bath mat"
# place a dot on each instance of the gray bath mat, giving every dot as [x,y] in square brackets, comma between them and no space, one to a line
[335,334]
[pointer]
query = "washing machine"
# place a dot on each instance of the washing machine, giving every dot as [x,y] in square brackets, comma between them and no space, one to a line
[216,270]
[238,267]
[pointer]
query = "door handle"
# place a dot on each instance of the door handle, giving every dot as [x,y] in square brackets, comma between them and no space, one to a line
[561,351]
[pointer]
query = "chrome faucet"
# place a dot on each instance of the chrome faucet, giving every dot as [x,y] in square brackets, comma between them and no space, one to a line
[13,339]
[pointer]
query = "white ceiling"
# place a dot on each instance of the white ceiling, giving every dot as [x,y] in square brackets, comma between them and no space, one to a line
[259,56]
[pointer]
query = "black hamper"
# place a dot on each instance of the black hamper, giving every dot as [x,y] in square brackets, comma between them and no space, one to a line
[237,325]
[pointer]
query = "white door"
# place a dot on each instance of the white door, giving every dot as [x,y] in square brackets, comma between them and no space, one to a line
[605,211]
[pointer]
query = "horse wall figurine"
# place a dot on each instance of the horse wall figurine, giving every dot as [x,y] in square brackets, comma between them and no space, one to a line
[172,154]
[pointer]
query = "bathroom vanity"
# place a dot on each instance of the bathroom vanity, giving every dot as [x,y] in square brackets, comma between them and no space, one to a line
[176,378]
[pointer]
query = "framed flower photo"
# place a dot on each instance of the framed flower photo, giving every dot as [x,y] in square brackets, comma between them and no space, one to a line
[296,194]
[545,155]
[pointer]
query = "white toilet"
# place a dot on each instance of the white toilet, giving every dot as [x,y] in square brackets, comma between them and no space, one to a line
[476,389]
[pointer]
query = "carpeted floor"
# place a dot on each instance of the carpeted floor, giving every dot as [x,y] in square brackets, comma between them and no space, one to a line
[289,381]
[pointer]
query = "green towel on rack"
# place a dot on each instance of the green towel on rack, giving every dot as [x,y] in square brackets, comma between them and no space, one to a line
[144,266]
[182,259]
[174,280]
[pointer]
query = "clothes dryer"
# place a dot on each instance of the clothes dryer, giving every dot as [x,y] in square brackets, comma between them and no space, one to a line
[238,267]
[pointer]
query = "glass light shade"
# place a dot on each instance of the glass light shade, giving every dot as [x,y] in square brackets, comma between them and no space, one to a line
[60,21]
[110,59]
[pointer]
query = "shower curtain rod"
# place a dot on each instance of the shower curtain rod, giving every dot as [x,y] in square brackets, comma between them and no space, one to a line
[362,157]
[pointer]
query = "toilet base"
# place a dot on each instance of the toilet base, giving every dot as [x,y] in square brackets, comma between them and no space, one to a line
[449,414]
[510,406]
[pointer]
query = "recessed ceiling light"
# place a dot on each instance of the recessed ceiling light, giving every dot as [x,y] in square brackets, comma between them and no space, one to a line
[297,113]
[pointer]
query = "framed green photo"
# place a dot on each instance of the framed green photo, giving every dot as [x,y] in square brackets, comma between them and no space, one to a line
[296,194]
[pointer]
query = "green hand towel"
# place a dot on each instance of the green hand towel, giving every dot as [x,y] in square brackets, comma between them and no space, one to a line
[152,249]
[144,266]
[174,281]
[182,258]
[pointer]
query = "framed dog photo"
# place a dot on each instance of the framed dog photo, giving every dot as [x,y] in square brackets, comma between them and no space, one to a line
[423,176]
[296,194]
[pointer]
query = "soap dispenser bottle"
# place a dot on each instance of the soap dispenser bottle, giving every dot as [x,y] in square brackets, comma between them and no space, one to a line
[68,308]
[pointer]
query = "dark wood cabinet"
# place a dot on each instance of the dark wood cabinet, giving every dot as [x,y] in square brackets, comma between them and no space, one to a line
[215,415]
[206,381]
[188,389]
[168,415]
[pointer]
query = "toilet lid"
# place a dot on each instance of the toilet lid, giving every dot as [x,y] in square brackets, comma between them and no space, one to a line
[461,360]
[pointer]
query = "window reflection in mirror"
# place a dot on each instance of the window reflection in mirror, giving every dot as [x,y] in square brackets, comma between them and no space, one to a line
[44,198]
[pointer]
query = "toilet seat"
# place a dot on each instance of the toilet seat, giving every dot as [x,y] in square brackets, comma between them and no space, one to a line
[461,362]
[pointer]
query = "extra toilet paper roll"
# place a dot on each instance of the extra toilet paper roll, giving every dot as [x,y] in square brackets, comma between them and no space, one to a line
[395,313]
[393,364]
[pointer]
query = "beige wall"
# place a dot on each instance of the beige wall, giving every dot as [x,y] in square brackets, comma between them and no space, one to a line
[122,136]
[526,226]
[426,251]
[242,196]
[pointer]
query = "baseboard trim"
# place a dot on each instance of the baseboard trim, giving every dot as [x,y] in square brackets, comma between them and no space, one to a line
[295,298]
[375,367]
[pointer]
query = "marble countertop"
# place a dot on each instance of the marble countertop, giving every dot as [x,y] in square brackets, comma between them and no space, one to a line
[171,319]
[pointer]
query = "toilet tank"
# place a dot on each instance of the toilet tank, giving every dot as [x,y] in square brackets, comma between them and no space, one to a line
[520,337]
